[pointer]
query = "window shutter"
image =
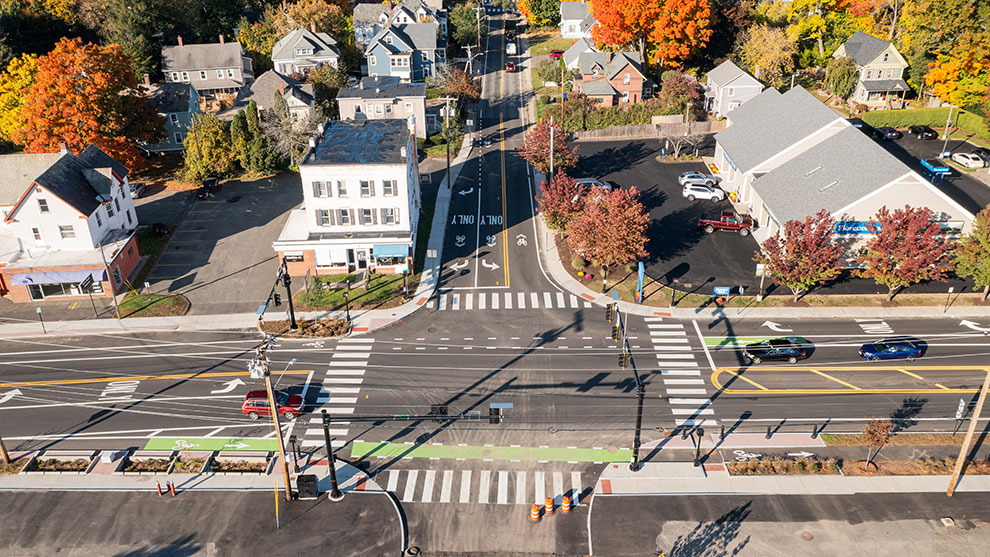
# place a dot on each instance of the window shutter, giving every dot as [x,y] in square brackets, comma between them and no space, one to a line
[316,189]
[350,215]
[396,213]
[371,188]
[384,216]
[318,223]
[330,218]
[374,217]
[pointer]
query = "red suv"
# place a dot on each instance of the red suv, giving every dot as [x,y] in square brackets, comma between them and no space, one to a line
[510,67]
[556,54]
[256,405]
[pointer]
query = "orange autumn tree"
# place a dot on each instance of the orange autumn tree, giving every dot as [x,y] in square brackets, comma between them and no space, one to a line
[85,93]
[665,31]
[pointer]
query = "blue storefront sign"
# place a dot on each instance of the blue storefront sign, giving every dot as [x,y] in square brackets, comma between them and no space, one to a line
[854,227]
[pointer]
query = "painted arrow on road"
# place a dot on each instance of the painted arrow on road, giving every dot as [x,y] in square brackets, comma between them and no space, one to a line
[776,327]
[974,326]
[237,445]
[465,192]
[460,266]
[488,265]
[802,454]
[9,395]
[231,385]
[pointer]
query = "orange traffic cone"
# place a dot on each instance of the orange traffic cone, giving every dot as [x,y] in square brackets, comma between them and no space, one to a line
[565,504]
[534,513]
[549,506]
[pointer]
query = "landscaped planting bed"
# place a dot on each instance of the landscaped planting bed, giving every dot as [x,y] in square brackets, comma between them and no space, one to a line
[242,466]
[15,465]
[921,467]
[62,464]
[774,466]
[148,465]
[192,466]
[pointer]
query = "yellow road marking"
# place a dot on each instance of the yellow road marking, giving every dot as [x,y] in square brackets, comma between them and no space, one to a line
[750,381]
[505,219]
[908,373]
[839,381]
[941,386]
[139,378]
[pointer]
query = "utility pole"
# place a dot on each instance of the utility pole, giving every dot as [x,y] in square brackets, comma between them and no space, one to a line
[626,358]
[335,494]
[470,59]
[259,369]
[562,97]
[113,289]
[287,281]
[948,122]
[961,459]
[477,14]
[446,134]
[551,148]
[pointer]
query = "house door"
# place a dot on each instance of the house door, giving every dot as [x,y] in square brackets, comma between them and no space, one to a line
[36,292]
[362,259]
[350,260]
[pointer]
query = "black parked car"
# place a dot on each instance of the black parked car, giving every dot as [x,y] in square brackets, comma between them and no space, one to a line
[888,133]
[774,349]
[923,132]
[209,188]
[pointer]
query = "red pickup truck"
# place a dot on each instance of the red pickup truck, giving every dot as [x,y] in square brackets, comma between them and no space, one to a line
[728,221]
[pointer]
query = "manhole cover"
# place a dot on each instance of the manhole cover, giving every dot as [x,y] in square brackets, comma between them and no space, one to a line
[233,199]
[807,536]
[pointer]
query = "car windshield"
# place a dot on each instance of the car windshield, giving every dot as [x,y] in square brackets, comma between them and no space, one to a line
[879,346]
[282,399]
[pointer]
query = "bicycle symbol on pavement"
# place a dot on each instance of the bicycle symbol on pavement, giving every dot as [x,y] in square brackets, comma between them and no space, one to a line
[490,240]
[742,456]
[317,344]
[182,445]
[521,240]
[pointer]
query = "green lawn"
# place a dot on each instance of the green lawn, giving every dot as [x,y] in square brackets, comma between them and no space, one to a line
[543,43]
[382,288]
[153,305]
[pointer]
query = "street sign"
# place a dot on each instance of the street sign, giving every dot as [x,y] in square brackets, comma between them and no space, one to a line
[615,295]
[722,290]
[961,409]
[85,283]
[760,269]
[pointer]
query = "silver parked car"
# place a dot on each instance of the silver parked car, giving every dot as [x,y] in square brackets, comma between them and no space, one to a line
[697,178]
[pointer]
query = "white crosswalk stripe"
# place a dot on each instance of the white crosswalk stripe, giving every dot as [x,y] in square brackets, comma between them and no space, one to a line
[485,487]
[476,301]
[344,375]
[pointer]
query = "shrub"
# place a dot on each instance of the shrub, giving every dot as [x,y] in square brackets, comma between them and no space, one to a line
[799,466]
[630,267]
[934,117]
[579,263]
[544,99]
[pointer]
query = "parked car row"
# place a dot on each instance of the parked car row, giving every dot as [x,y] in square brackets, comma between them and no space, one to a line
[978,157]
[792,349]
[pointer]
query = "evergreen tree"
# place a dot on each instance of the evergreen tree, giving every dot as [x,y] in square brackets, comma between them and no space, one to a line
[239,138]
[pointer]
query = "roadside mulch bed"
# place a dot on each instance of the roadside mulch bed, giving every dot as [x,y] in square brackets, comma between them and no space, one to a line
[320,328]
[153,305]
[239,466]
[14,466]
[327,293]
[56,465]
[897,440]
[188,466]
[147,465]
[922,467]
[773,466]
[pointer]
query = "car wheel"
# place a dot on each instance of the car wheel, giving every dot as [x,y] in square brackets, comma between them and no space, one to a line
[690,198]
[875,359]
[709,183]
[288,416]
[717,199]
[792,360]
[744,232]
[757,361]
[253,415]
[709,229]
[910,358]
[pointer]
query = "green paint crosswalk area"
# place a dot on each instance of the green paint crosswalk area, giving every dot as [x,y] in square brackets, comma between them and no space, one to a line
[474,452]
[210,444]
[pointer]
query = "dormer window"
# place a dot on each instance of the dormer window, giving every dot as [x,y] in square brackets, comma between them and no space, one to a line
[388,40]
[304,51]
[886,56]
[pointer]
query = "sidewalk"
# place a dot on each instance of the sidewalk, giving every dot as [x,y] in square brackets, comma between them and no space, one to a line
[682,478]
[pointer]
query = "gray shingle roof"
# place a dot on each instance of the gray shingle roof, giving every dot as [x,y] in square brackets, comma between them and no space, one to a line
[201,56]
[727,71]
[598,87]
[18,171]
[574,52]
[769,123]
[361,142]
[369,13]
[573,10]
[884,85]
[413,36]
[611,62]
[321,43]
[830,175]
[262,91]
[67,178]
[382,88]
[170,97]
[863,48]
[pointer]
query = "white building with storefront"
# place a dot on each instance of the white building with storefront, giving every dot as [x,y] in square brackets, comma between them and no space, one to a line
[361,204]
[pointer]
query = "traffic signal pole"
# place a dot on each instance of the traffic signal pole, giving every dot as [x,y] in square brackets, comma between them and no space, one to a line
[260,365]
[287,281]
[335,494]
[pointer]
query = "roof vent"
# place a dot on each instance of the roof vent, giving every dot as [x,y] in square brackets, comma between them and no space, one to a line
[828,185]
[402,151]
[312,143]
[378,89]
[812,171]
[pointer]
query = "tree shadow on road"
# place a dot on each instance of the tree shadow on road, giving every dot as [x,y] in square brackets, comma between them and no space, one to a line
[711,539]
[907,415]
[181,547]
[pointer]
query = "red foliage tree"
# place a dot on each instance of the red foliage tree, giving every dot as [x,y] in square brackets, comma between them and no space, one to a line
[85,93]
[611,228]
[560,201]
[663,30]
[535,148]
[805,256]
[907,248]
[459,84]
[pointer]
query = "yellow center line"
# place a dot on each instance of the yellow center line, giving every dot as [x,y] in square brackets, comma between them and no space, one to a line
[750,381]
[839,381]
[908,373]
[139,378]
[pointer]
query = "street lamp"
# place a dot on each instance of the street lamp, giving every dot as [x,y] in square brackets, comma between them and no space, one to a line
[291,362]
[287,281]
[405,291]
[347,307]
[295,452]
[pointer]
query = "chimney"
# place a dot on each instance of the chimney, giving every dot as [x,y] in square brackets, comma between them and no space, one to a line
[411,124]
[361,84]
[221,39]
[63,147]
[312,26]
[147,79]
[402,151]
[281,87]
[180,40]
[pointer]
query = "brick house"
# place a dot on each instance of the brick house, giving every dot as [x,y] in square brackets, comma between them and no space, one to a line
[613,78]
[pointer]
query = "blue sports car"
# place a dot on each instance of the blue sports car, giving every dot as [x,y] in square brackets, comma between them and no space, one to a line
[889,349]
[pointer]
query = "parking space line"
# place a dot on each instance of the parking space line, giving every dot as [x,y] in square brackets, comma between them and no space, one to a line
[909,374]
[941,386]
[839,381]
[750,381]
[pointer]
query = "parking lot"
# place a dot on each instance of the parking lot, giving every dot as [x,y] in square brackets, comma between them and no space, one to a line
[679,249]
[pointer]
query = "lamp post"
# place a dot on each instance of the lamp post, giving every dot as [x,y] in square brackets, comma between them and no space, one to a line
[287,281]
[405,291]
[295,452]
[347,307]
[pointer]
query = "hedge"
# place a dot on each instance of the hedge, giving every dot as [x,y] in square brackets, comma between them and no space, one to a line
[596,118]
[969,122]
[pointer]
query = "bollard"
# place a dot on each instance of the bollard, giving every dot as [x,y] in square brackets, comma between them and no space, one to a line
[565,504]
[721,434]
[814,431]
[159,486]
[171,488]
[534,513]
[769,433]
[549,506]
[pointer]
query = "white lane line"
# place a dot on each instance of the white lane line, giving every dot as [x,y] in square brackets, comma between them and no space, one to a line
[669,340]
[665,325]
[678,356]
[393,480]
[534,300]
[445,484]
[711,362]
[346,380]
[443,302]
[696,401]
[465,486]
[410,491]
[351,356]
[344,390]
[683,382]
[351,347]
[344,371]
[652,319]
[340,410]
[486,485]
[508,300]
[428,486]
[667,333]
[540,487]
[521,489]
[692,411]
[687,391]
[338,400]
[678,364]
[357,340]
[503,488]
[558,488]
[305,389]
[547,302]
[575,488]
[214,432]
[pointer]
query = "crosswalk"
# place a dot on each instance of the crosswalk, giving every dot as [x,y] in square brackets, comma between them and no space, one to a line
[506,300]
[339,391]
[685,390]
[486,487]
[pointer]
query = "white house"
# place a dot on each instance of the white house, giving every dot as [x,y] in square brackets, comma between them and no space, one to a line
[304,49]
[375,98]
[66,217]
[576,20]
[786,157]
[727,86]
[361,200]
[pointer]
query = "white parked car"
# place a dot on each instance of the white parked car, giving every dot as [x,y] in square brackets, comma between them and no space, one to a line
[969,160]
[693,191]
[694,177]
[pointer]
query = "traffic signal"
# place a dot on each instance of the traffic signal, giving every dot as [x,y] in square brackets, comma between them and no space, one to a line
[494,415]
[622,359]
[278,299]
[286,280]
[608,312]
[615,331]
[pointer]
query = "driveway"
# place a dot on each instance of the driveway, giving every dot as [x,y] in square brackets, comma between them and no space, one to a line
[221,255]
